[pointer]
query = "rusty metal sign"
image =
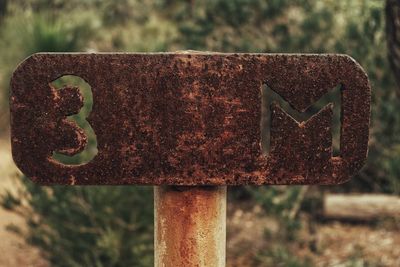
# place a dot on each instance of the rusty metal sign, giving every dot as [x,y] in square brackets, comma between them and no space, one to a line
[189,118]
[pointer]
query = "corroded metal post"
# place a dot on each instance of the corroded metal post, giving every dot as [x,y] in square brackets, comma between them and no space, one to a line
[190,226]
[189,119]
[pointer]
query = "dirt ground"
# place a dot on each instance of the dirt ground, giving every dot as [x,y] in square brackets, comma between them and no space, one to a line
[14,252]
[357,245]
[332,244]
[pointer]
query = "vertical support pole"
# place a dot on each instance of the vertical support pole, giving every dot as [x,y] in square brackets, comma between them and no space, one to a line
[190,226]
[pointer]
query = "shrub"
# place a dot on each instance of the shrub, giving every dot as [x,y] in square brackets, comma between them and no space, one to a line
[110,226]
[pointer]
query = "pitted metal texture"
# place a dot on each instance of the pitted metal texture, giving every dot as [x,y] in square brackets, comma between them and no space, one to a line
[188,118]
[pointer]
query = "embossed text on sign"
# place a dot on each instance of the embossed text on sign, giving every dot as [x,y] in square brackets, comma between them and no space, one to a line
[188,119]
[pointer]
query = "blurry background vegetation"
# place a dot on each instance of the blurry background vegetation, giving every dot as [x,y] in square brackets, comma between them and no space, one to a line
[113,226]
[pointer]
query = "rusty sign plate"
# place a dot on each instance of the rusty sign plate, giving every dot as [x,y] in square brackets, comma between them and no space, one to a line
[188,118]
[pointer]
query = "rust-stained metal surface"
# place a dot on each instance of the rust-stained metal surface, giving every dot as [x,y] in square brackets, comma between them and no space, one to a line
[189,118]
[190,226]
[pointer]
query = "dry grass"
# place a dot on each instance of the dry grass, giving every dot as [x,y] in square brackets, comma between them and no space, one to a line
[333,244]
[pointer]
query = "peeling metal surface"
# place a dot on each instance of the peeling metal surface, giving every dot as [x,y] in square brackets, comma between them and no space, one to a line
[190,226]
[188,118]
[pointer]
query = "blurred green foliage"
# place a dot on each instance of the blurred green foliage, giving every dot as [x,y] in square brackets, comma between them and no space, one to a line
[89,226]
[91,148]
[112,226]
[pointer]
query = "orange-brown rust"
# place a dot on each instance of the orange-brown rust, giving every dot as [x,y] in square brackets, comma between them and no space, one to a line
[190,226]
[188,119]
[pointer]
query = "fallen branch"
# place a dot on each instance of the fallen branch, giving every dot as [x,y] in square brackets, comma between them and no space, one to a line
[361,207]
